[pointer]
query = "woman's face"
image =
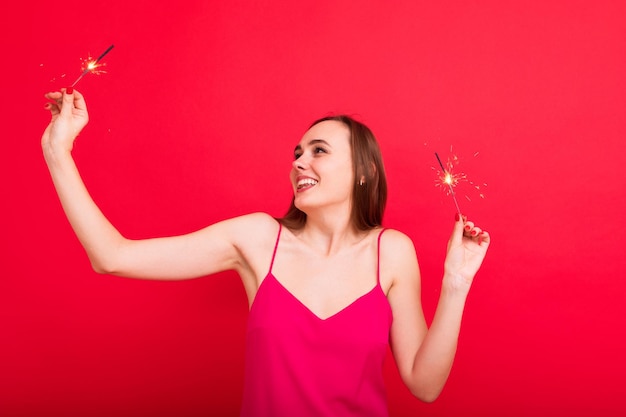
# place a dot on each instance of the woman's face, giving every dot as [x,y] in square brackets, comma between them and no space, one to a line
[322,173]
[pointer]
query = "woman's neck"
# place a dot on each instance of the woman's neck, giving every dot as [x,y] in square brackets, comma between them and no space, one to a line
[329,233]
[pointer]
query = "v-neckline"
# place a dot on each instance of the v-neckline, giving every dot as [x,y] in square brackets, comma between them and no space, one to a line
[311,312]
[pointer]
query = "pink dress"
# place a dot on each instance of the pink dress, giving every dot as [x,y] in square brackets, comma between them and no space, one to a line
[299,365]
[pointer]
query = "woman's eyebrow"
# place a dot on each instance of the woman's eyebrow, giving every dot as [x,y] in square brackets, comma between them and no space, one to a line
[316,141]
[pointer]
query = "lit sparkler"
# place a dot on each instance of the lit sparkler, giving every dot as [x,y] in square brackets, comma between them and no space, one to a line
[450,180]
[92,65]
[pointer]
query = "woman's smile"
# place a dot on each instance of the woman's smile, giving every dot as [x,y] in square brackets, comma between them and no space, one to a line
[305,183]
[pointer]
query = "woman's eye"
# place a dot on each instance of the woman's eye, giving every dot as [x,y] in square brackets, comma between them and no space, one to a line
[315,150]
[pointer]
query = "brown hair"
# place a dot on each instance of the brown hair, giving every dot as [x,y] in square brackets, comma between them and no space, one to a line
[368,199]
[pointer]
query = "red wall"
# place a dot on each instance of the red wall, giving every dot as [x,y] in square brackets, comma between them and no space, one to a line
[195,121]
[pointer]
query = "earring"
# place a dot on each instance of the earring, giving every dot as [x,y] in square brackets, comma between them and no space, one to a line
[362,182]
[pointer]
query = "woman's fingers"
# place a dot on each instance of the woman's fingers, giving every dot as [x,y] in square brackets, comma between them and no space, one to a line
[67,101]
[472,231]
[54,103]
[457,231]
[52,107]
[55,96]
[467,228]
[484,238]
[79,101]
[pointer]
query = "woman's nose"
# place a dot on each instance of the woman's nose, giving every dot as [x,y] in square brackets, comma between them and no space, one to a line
[300,163]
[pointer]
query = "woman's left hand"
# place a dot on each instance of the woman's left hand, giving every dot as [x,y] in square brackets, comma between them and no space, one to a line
[467,248]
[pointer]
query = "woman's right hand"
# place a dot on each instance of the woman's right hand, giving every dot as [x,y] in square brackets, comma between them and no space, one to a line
[69,116]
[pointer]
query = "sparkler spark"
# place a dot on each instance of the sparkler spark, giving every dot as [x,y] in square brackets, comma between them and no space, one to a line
[450,180]
[91,65]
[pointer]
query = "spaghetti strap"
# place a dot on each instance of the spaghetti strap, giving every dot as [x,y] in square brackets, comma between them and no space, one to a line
[378,256]
[280,227]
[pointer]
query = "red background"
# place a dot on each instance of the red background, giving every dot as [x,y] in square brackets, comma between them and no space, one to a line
[195,122]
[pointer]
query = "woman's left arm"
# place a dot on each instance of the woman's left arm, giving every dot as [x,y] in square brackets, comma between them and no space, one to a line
[424,356]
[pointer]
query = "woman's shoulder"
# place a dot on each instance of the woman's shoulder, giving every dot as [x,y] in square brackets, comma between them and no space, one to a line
[258,223]
[398,258]
[395,238]
[258,217]
[396,247]
[245,230]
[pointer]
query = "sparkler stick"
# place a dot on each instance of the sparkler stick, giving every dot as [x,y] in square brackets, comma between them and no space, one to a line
[92,65]
[448,180]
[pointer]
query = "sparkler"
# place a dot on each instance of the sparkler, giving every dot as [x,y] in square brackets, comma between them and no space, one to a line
[449,179]
[91,66]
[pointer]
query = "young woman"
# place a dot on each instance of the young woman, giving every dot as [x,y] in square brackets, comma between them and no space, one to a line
[329,288]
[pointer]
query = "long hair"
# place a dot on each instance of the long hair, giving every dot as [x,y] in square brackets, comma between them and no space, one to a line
[370,196]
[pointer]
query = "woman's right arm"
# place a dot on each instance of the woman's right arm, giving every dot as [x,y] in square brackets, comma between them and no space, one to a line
[212,249]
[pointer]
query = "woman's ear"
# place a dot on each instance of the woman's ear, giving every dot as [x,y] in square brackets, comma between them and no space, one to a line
[371,173]
[372,169]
